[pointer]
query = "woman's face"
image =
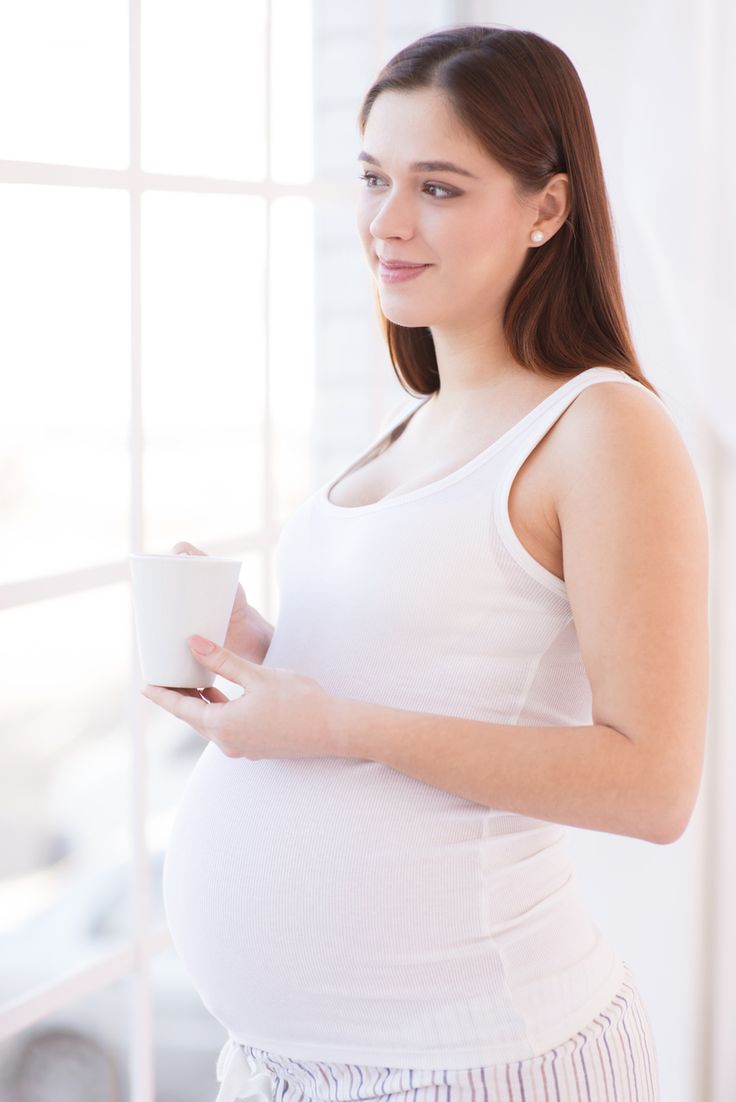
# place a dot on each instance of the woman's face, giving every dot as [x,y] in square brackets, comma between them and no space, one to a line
[472,230]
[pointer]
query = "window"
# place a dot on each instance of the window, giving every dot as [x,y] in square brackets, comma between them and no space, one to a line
[157,215]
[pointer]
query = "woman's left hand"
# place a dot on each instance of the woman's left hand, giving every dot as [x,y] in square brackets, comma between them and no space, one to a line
[281,714]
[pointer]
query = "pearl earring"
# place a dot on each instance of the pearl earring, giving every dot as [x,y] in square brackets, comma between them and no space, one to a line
[537,236]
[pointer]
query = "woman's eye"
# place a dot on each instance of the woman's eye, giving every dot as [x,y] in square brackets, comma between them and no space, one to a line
[438,187]
[368,176]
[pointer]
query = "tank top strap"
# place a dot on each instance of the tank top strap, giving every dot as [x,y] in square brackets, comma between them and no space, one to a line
[523,445]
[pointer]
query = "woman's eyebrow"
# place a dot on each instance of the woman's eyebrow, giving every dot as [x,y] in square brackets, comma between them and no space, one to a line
[423,166]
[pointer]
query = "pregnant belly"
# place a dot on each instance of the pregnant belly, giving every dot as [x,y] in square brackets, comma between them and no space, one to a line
[294,869]
[295,880]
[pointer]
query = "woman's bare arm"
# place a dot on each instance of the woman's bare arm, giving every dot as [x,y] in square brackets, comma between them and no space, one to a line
[592,777]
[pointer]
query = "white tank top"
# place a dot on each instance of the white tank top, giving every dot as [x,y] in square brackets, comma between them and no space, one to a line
[336,909]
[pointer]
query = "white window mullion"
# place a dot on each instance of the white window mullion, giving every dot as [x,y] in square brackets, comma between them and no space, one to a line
[140,1009]
[268,464]
[26,172]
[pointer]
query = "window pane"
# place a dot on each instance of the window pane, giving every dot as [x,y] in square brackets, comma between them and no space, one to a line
[65,350]
[64,82]
[203,83]
[78,1054]
[292,351]
[292,153]
[187,1038]
[203,366]
[65,795]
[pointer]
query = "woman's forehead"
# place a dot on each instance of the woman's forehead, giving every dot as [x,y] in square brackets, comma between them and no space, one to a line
[420,125]
[425,107]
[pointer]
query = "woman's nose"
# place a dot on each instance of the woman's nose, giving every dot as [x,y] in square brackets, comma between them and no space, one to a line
[394,217]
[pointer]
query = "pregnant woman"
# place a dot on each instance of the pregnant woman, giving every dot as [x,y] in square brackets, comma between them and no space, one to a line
[492,626]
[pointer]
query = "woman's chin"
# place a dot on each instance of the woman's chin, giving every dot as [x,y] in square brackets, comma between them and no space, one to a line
[410,319]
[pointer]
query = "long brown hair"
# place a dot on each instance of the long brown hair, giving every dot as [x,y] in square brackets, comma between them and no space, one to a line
[522,99]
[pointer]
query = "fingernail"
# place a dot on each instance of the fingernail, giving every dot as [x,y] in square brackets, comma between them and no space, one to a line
[201,645]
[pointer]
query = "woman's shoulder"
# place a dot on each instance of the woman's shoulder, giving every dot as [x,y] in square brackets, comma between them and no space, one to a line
[616,440]
[618,396]
[620,432]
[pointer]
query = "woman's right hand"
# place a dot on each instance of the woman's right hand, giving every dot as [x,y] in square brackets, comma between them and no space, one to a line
[248,634]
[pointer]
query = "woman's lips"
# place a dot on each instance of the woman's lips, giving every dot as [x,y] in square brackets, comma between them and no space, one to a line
[400,274]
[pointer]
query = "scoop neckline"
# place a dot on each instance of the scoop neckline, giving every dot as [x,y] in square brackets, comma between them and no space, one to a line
[453,476]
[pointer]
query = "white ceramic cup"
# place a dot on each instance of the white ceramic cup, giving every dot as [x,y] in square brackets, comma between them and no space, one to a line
[174,597]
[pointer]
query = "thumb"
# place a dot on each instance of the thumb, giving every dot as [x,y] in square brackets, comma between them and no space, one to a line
[223,662]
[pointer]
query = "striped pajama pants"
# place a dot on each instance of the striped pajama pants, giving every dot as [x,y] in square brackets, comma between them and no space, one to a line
[613,1059]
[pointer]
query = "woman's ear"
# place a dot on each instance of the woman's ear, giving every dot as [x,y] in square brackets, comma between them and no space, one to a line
[554,205]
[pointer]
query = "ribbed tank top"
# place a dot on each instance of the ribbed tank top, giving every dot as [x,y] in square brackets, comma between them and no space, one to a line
[337,909]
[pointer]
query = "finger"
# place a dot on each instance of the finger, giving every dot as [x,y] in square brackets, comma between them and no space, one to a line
[224,662]
[213,695]
[184,548]
[192,710]
[209,693]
